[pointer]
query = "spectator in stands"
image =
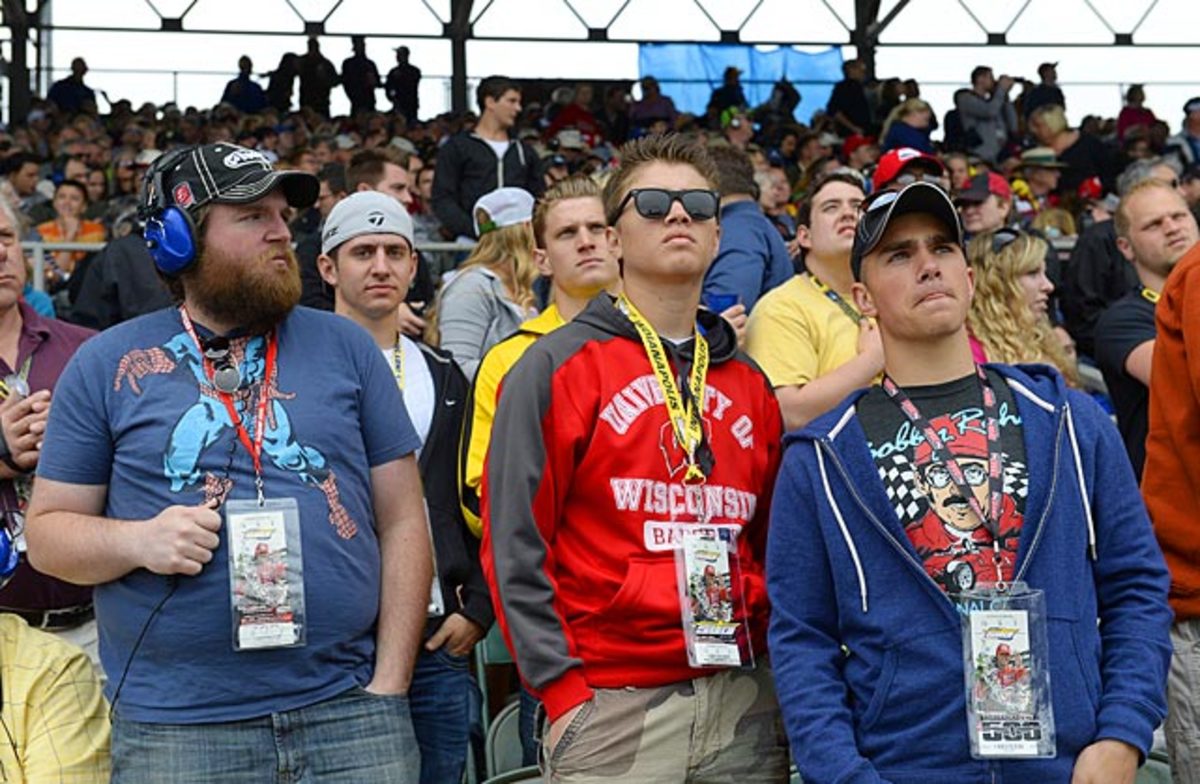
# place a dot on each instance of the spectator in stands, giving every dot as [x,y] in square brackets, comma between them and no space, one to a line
[729,95]
[578,115]
[908,125]
[1154,229]
[368,259]
[985,203]
[903,166]
[54,715]
[1185,145]
[318,77]
[403,86]
[70,94]
[752,258]
[653,106]
[68,225]
[1045,93]
[242,92]
[615,114]
[492,294]
[22,170]
[281,83]
[1009,318]
[360,77]
[848,106]
[1134,114]
[860,151]
[314,292]
[812,343]
[737,128]
[469,163]
[1041,172]
[1082,155]
[97,193]
[1098,274]
[986,110]
[774,196]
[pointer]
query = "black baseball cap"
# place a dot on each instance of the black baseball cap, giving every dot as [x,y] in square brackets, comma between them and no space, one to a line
[227,173]
[883,207]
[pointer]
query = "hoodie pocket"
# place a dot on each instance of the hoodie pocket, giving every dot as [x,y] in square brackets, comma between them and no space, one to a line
[1074,683]
[644,612]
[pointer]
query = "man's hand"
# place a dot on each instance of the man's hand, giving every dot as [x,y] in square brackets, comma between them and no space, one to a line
[1106,762]
[22,424]
[180,540]
[870,345]
[457,634]
[559,726]
[410,323]
[736,316]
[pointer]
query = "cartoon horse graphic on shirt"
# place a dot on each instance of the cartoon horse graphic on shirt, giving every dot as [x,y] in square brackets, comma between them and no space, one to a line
[206,420]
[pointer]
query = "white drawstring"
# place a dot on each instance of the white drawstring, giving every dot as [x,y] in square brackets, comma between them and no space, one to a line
[1083,491]
[837,514]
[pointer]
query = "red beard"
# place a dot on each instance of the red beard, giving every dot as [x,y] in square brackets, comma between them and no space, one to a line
[254,295]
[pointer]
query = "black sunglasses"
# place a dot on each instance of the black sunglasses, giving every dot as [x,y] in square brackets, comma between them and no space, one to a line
[655,203]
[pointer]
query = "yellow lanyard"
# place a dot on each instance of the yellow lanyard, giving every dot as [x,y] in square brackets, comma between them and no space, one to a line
[398,363]
[1150,296]
[685,419]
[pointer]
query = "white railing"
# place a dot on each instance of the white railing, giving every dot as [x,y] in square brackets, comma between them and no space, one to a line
[38,251]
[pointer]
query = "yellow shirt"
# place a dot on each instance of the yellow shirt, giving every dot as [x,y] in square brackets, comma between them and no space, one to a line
[797,334]
[54,712]
[478,428]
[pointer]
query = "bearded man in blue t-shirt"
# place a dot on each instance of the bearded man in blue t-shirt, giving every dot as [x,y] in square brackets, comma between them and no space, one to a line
[236,476]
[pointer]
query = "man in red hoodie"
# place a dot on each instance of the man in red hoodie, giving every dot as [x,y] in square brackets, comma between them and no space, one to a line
[633,448]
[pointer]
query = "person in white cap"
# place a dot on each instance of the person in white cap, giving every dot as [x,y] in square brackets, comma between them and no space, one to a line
[493,292]
[368,259]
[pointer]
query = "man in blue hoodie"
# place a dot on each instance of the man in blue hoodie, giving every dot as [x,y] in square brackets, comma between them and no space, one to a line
[878,532]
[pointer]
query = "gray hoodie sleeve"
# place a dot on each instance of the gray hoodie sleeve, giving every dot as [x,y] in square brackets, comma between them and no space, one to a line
[466,313]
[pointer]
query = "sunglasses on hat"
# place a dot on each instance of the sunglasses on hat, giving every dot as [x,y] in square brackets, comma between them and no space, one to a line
[655,203]
[1003,238]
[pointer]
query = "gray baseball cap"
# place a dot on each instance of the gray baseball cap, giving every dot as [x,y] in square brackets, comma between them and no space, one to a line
[365,212]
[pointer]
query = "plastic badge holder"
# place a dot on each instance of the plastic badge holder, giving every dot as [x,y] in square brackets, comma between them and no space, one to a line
[266,574]
[708,574]
[1007,672]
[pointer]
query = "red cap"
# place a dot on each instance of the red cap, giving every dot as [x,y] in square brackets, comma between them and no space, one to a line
[895,161]
[981,185]
[854,142]
[965,442]
[1091,189]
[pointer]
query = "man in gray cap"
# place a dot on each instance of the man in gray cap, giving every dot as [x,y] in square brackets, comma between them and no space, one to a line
[367,258]
[237,477]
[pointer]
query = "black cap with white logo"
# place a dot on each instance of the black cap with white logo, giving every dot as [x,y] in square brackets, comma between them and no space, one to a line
[230,174]
[880,209]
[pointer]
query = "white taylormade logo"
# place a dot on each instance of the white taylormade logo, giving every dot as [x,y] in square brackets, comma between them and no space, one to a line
[643,393]
[239,158]
[674,499]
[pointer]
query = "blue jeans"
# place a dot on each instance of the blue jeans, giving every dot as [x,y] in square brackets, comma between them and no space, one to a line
[353,737]
[438,699]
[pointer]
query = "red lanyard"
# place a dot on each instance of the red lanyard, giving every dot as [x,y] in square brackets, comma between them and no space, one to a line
[943,455]
[260,419]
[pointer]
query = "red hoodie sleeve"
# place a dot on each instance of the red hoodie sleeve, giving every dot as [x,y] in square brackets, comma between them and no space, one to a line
[529,467]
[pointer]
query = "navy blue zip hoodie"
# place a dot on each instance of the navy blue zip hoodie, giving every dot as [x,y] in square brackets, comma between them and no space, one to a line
[841,571]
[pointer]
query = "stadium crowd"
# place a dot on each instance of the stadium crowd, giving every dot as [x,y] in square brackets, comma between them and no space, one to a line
[673,391]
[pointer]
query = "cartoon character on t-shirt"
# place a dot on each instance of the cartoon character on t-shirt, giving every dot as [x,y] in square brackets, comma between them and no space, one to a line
[956,547]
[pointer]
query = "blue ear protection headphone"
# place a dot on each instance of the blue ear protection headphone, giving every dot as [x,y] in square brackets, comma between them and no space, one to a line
[9,557]
[170,233]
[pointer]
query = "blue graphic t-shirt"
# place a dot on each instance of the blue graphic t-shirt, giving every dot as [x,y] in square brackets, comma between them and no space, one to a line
[132,411]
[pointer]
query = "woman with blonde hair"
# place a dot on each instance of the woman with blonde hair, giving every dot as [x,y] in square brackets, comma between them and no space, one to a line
[908,125]
[492,292]
[1009,318]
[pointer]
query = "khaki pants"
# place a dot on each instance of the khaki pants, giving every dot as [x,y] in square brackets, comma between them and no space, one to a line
[721,729]
[1183,703]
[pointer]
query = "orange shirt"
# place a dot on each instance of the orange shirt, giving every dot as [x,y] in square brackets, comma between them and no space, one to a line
[1171,478]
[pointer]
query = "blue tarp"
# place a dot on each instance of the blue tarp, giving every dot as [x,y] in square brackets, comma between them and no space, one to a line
[690,72]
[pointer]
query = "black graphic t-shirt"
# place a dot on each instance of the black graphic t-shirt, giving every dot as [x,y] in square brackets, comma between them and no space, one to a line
[957,549]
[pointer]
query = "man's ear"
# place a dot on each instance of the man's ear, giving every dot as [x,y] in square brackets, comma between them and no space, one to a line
[863,300]
[542,260]
[804,237]
[1126,249]
[328,269]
